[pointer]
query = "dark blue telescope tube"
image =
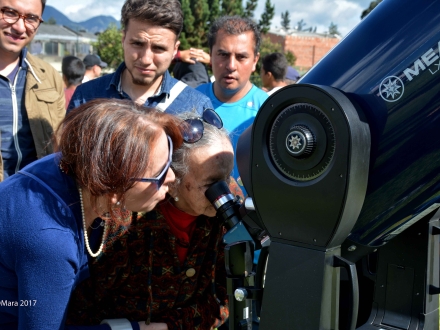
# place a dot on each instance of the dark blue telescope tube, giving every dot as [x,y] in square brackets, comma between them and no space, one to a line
[390,66]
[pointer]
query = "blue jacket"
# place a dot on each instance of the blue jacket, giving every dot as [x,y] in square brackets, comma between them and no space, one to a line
[108,86]
[42,255]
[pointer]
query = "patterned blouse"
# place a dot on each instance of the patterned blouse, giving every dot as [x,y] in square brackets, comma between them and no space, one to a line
[139,277]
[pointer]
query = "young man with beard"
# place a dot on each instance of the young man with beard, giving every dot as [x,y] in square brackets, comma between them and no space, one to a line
[150,40]
[31,90]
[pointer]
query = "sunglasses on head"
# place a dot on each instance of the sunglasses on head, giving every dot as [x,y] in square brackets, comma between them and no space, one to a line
[193,128]
[159,180]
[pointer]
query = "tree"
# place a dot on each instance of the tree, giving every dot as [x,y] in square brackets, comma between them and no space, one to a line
[266,17]
[300,25]
[200,13]
[188,24]
[51,21]
[373,5]
[251,5]
[291,58]
[333,29]
[285,20]
[109,46]
[214,11]
[232,7]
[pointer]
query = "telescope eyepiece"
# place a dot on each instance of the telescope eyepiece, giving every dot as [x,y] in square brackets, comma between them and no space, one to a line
[224,202]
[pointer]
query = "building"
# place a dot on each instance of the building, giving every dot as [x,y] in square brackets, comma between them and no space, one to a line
[308,47]
[53,42]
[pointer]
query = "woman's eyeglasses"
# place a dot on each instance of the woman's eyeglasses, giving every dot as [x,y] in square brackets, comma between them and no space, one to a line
[11,16]
[192,129]
[160,179]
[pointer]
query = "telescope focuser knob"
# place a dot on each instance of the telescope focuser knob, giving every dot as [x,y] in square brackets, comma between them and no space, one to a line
[240,294]
[300,141]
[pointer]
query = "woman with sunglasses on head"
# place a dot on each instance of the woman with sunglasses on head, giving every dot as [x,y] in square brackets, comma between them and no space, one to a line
[167,271]
[57,212]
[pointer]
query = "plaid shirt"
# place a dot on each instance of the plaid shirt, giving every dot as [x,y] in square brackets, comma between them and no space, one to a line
[139,277]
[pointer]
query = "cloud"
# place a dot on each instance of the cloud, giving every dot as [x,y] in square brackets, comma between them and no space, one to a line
[82,10]
[320,13]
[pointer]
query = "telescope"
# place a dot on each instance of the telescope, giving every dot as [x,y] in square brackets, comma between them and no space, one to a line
[343,176]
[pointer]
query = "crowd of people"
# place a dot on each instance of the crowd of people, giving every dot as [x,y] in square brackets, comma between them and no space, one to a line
[104,222]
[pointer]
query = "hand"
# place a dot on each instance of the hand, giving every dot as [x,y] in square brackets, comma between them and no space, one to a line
[194,55]
[185,56]
[200,55]
[153,326]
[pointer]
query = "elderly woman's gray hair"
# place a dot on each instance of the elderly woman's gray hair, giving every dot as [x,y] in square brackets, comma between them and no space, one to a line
[211,136]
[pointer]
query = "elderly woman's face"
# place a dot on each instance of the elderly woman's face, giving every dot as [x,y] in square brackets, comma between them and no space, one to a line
[144,196]
[207,166]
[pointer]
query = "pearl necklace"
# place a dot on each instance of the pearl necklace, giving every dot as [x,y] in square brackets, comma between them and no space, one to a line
[86,238]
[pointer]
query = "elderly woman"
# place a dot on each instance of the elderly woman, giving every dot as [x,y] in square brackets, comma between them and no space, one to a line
[114,159]
[168,268]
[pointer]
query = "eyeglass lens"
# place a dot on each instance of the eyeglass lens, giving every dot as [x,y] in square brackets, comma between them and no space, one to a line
[11,16]
[212,117]
[192,129]
[163,175]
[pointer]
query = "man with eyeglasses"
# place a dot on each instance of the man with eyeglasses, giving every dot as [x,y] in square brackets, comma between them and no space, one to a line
[31,90]
[150,40]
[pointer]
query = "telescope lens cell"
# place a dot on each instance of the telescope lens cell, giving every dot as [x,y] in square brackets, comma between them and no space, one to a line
[301,142]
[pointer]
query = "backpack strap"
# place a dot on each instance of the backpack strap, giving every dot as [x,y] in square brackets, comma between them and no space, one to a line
[174,92]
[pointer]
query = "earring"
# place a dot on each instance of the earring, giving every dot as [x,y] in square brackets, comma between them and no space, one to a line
[118,203]
[176,199]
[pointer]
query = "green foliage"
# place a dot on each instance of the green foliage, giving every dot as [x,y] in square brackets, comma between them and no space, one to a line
[291,58]
[300,25]
[266,17]
[188,24]
[232,7]
[200,12]
[373,5]
[109,46]
[268,47]
[285,20]
[249,10]
[51,21]
[333,29]
[214,11]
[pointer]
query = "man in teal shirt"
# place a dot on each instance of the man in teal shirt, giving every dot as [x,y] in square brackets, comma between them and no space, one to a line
[234,44]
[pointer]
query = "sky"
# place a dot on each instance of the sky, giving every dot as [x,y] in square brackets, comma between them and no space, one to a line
[315,13]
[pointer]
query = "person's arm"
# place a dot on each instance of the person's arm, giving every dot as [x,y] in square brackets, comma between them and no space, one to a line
[213,309]
[153,326]
[76,100]
[205,307]
[45,266]
[46,270]
[221,290]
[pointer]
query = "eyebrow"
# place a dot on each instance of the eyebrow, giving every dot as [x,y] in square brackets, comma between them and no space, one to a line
[214,178]
[153,43]
[25,14]
[222,51]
